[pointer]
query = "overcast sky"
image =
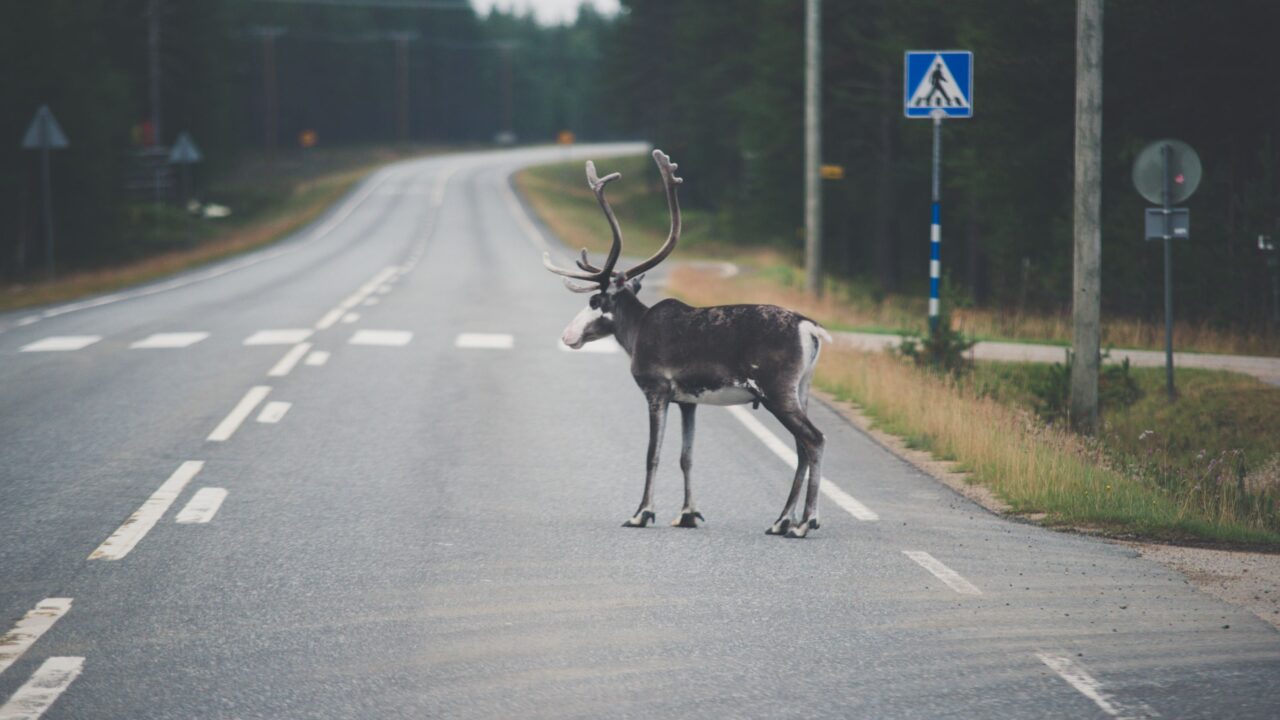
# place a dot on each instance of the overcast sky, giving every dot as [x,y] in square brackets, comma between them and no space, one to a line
[548,11]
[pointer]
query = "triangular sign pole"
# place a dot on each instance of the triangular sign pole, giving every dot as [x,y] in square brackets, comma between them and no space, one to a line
[44,134]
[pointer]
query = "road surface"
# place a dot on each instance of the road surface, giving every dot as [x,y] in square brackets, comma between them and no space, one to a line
[354,476]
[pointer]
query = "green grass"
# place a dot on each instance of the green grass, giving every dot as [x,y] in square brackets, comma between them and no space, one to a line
[1215,449]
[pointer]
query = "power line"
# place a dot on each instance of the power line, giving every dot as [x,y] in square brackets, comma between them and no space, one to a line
[393,4]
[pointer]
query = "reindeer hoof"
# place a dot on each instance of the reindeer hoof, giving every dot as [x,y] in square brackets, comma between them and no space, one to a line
[641,519]
[802,529]
[688,520]
[780,527]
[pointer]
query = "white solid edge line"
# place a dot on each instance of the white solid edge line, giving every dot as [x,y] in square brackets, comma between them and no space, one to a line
[842,499]
[1085,683]
[317,358]
[40,692]
[442,181]
[522,219]
[202,506]
[232,421]
[290,359]
[29,629]
[273,412]
[144,518]
[375,180]
[952,578]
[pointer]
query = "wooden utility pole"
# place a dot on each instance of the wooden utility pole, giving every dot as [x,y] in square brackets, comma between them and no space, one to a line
[1086,286]
[813,146]
[270,92]
[402,40]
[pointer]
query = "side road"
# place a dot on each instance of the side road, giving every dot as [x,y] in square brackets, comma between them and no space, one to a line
[1266,369]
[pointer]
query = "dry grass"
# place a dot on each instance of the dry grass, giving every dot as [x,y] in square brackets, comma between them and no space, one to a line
[1035,468]
[770,277]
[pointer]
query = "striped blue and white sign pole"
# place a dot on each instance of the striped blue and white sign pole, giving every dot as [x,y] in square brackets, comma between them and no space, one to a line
[937,84]
[935,228]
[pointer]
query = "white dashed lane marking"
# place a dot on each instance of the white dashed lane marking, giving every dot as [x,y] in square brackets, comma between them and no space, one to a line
[29,629]
[273,412]
[39,693]
[317,358]
[1082,681]
[278,337]
[169,340]
[350,317]
[203,505]
[842,499]
[942,572]
[290,359]
[61,343]
[392,338]
[232,422]
[144,518]
[485,341]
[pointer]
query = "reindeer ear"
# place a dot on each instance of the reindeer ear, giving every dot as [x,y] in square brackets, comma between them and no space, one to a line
[634,283]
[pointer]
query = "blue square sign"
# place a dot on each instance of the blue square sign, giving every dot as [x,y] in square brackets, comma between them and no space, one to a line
[938,81]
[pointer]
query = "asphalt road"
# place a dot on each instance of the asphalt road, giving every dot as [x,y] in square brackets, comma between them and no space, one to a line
[428,530]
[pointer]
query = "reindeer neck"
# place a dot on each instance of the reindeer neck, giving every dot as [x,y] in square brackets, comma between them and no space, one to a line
[627,312]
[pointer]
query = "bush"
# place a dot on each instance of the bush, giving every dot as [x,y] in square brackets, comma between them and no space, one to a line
[1117,388]
[941,351]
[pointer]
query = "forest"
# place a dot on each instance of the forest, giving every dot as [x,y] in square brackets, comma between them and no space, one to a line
[718,84]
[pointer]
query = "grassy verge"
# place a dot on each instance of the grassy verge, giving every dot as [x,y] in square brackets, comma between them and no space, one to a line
[560,196]
[1107,484]
[1204,469]
[269,201]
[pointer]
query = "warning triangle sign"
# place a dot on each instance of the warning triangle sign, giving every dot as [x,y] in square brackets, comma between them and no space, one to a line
[44,132]
[938,88]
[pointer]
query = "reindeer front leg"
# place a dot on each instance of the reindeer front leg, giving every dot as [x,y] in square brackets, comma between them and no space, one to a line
[689,515]
[657,424]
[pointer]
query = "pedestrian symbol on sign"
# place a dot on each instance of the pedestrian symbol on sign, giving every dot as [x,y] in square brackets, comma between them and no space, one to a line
[939,88]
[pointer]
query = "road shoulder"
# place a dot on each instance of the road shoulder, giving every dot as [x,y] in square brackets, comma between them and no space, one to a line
[1248,580]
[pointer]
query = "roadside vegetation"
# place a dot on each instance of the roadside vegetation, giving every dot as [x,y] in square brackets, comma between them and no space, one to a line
[267,202]
[771,274]
[1205,468]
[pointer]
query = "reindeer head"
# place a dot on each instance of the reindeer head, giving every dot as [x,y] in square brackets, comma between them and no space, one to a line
[597,319]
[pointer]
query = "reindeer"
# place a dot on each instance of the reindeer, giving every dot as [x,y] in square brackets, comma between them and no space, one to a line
[725,355]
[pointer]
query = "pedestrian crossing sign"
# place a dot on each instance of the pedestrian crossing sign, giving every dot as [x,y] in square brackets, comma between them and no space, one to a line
[938,81]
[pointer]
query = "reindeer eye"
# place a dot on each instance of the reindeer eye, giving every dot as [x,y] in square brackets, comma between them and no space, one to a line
[595,302]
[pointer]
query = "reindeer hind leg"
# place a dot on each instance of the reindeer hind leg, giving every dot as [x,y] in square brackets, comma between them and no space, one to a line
[689,515]
[810,519]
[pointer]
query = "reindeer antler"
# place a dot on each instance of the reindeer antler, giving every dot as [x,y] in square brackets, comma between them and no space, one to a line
[670,181]
[601,276]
